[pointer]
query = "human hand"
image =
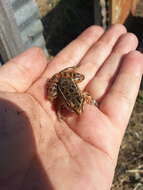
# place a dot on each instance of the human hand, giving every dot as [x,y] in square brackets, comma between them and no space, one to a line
[37,150]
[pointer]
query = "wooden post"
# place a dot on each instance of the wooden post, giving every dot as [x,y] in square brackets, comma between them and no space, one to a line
[120,9]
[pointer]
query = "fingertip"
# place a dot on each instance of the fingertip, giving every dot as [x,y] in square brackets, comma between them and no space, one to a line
[95,29]
[111,36]
[132,37]
[136,58]
[91,32]
[34,53]
[127,42]
[134,54]
[119,27]
[32,58]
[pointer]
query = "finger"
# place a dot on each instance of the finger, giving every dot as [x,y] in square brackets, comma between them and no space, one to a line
[103,79]
[96,56]
[73,53]
[19,73]
[68,57]
[119,101]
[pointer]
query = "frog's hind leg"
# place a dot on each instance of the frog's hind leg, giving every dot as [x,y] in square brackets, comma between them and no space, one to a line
[59,111]
[62,110]
[89,100]
[67,72]
[68,69]
[70,72]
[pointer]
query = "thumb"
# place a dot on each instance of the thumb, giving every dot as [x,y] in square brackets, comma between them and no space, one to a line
[20,72]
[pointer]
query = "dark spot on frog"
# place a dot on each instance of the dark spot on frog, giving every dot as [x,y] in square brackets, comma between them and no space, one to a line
[67,94]
[78,98]
[62,88]
[65,83]
[71,90]
[72,86]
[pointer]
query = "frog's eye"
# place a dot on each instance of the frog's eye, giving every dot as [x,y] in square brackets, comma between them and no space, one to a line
[64,74]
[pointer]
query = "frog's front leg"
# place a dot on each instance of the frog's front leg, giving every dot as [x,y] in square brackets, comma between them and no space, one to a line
[52,89]
[52,92]
[88,99]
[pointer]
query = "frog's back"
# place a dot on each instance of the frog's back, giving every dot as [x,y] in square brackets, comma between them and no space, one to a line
[69,91]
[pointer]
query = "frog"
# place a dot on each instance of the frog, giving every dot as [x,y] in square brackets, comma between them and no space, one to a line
[64,85]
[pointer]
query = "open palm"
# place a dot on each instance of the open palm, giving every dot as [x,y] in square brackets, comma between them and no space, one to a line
[80,152]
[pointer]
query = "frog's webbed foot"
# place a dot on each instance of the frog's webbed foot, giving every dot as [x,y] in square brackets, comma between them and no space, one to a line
[89,100]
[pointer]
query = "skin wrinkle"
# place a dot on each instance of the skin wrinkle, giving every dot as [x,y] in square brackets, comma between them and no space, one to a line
[85,138]
[91,145]
[36,100]
[108,153]
[67,148]
[4,86]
